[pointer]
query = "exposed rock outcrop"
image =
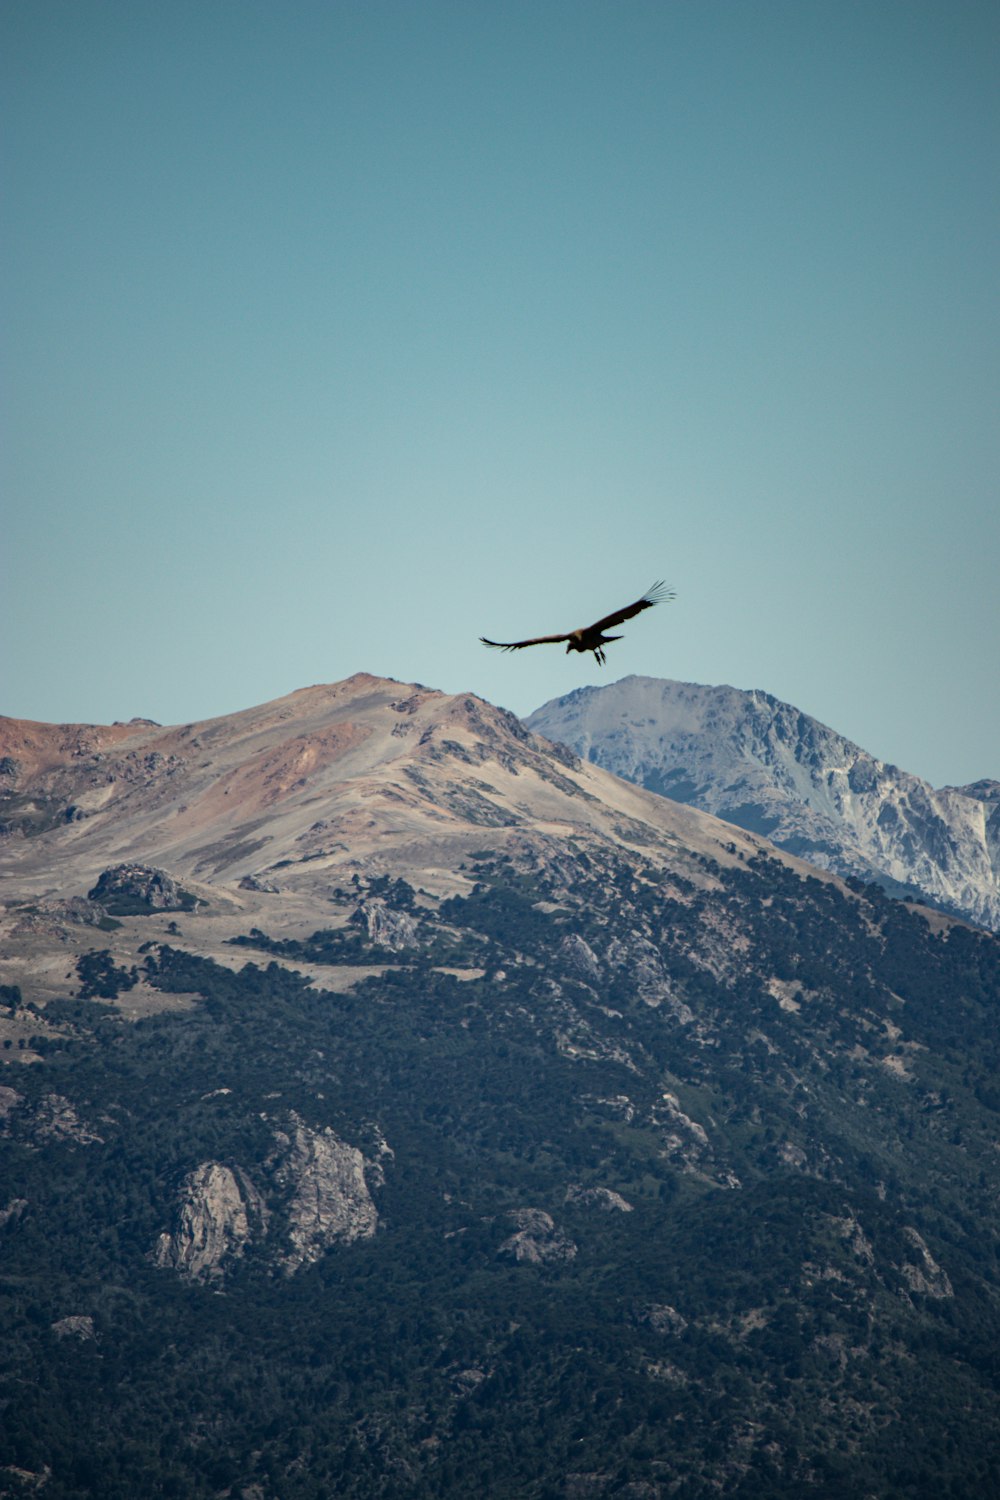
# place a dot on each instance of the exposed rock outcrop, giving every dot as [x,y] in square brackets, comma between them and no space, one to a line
[329,1200]
[55,916]
[220,1213]
[922,1272]
[582,957]
[319,1195]
[76,1326]
[49,1118]
[56,1118]
[537,1241]
[384,925]
[598,1197]
[635,956]
[682,1134]
[133,888]
[662,1318]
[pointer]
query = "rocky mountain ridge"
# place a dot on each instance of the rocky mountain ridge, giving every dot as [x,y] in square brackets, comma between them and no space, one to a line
[396,1106]
[767,767]
[261,814]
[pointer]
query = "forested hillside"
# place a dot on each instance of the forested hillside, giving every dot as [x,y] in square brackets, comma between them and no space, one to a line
[676,1190]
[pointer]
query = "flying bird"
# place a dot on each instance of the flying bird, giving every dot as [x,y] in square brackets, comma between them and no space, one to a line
[592,637]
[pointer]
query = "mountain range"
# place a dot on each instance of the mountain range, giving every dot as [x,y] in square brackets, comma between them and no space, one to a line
[397,1104]
[359,778]
[768,767]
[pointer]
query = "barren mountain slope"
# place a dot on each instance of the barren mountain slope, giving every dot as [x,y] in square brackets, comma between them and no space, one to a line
[261,813]
[367,759]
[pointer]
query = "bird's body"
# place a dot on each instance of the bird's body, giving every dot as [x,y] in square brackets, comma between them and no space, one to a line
[591,637]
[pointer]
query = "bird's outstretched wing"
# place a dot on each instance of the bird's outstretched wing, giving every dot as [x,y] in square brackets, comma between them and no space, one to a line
[537,640]
[657,594]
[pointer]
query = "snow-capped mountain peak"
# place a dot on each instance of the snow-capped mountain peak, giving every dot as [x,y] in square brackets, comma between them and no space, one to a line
[766,766]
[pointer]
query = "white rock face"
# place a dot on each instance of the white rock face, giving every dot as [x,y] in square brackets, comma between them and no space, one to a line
[218,1215]
[391,929]
[330,1202]
[326,1201]
[682,1131]
[536,1241]
[773,770]
[598,1197]
[580,954]
[663,1318]
[12,1211]
[76,1326]
[923,1272]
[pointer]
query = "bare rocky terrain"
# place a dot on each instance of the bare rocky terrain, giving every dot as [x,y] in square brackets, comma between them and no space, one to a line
[766,766]
[260,815]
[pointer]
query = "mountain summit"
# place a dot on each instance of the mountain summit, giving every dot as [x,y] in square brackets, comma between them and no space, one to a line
[323,779]
[769,768]
[335,783]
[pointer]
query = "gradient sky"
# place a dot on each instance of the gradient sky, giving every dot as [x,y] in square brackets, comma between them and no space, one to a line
[338,334]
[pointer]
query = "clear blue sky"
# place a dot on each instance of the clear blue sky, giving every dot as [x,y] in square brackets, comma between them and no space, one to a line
[338,334]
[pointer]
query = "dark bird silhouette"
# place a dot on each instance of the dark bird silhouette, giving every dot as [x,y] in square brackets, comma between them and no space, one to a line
[592,637]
